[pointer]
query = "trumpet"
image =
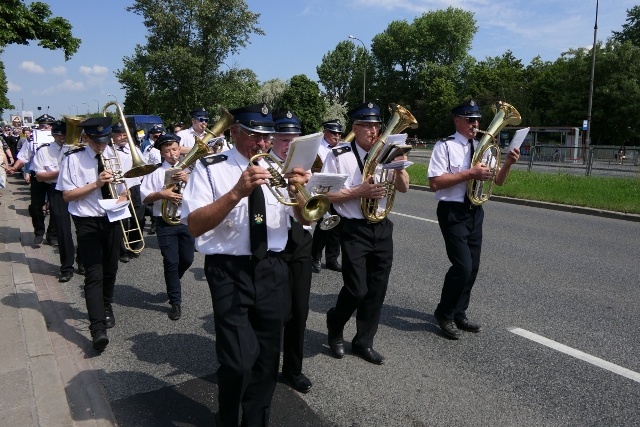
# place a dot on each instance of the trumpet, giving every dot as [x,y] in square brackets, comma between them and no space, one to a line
[315,205]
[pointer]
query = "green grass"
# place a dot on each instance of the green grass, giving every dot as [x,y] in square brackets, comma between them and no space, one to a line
[613,194]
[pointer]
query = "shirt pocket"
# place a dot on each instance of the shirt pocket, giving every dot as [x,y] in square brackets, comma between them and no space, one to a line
[456,168]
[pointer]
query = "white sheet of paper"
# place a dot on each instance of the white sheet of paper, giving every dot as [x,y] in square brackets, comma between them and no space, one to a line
[325,182]
[395,139]
[302,152]
[168,174]
[400,164]
[518,138]
[115,211]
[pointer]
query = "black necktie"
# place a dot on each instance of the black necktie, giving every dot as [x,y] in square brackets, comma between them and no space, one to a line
[471,150]
[297,231]
[105,188]
[257,223]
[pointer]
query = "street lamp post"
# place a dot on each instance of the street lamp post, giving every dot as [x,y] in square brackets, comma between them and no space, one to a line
[97,106]
[593,69]
[76,109]
[364,74]
[114,97]
[84,103]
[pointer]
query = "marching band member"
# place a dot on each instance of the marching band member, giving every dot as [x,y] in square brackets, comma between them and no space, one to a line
[46,166]
[460,221]
[327,240]
[38,189]
[175,242]
[367,248]
[199,121]
[84,181]
[242,230]
[298,257]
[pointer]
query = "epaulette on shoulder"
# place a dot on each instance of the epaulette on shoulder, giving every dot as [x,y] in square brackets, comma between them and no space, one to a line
[212,159]
[46,144]
[341,150]
[74,150]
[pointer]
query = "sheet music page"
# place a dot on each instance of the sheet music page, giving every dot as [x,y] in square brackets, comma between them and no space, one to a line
[302,152]
[395,139]
[115,211]
[518,138]
[168,174]
[325,182]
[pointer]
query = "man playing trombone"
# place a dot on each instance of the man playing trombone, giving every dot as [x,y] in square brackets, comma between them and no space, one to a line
[84,181]
[242,229]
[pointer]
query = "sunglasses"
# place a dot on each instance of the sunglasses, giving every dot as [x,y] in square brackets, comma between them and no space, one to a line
[471,119]
[332,132]
[258,136]
[203,119]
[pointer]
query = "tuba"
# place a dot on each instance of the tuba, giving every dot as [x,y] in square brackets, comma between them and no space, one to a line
[139,167]
[170,209]
[217,130]
[401,119]
[74,132]
[315,205]
[488,151]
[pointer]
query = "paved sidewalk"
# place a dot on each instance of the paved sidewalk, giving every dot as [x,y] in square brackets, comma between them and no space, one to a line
[46,377]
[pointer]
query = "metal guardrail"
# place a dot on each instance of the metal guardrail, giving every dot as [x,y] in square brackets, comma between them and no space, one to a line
[595,161]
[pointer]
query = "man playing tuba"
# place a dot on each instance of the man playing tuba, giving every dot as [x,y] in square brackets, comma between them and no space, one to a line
[367,248]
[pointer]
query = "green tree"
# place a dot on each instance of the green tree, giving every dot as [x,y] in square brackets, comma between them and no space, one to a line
[302,96]
[179,67]
[21,23]
[270,93]
[335,73]
[631,30]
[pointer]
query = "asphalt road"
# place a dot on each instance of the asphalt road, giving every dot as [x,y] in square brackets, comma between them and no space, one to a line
[566,277]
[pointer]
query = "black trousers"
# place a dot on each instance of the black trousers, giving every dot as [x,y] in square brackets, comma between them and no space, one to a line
[39,192]
[99,243]
[135,207]
[247,300]
[461,228]
[298,258]
[367,257]
[327,240]
[62,220]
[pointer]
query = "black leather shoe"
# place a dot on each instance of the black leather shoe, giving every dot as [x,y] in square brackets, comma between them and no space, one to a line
[109,319]
[152,229]
[316,266]
[334,265]
[297,382]
[52,242]
[368,354]
[175,313]
[81,269]
[125,258]
[449,328]
[467,325]
[100,340]
[335,338]
[37,241]
[65,277]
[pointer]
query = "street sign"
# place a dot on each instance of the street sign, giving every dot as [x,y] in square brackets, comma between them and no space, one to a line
[585,124]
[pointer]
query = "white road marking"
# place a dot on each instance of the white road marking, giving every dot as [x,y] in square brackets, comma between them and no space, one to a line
[415,217]
[627,373]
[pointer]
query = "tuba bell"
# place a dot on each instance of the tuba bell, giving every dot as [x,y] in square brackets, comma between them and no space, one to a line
[488,151]
[401,119]
[74,132]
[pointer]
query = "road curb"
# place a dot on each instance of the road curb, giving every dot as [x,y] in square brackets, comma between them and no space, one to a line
[554,206]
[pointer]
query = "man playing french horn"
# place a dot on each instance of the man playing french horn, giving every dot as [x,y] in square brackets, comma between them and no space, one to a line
[367,247]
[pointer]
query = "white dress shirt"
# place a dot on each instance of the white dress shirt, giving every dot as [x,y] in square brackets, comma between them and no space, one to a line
[231,237]
[153,183]
[48,159]
[451,155]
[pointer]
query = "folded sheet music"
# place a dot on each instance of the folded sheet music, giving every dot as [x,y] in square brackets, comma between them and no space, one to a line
[302,152]
[325,182]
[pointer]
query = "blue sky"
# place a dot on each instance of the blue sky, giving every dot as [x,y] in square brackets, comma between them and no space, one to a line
[298,34]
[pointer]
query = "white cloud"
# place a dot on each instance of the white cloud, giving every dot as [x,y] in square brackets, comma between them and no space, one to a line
[12,87]
[95,71]
[59,71]
[31,67]
[65,87]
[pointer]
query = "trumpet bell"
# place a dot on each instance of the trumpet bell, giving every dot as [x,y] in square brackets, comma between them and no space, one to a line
[140,170]
[315,206]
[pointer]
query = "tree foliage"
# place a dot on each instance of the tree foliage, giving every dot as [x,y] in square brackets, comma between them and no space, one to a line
[302,97]
[631,30]
[21,23]
[179,67]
